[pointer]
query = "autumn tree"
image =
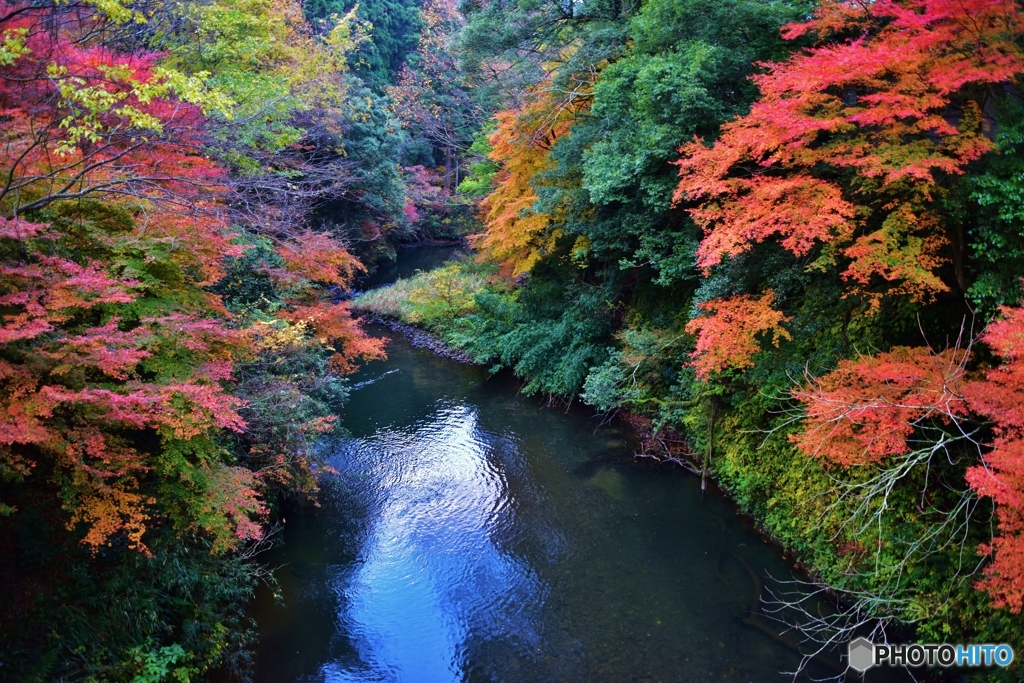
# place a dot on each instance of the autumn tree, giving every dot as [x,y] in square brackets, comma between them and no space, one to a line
[517,234]
[843,157]
[117,358]
[87,127]
[998,396]
[909,410]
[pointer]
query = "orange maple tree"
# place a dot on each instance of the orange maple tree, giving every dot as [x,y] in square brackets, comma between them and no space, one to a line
[517,235]
[728,335]
[866,409]
[874,408]
[851,140]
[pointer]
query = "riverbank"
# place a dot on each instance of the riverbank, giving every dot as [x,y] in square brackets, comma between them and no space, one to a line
[661,446]
[418,338]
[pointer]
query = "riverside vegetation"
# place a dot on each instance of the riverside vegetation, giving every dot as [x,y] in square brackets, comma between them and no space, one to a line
[180,182]
[790,232]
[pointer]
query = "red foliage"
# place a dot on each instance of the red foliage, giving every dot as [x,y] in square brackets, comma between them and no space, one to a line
[89,358]
[425,194]
[1000,398]
[866,409]
[318,257]
[127,228]
[842,155]
[869,409]
[80,122]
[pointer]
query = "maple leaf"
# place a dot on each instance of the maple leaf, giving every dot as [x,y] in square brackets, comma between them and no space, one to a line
[318,257]
[333,324]
[869,409]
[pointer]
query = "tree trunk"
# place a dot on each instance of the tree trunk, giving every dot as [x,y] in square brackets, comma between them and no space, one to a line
[958,245]
[711,444]
[448,170]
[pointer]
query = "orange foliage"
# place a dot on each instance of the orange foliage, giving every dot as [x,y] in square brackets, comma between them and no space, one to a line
[728,336]
[318,257]
[83,371]
[334,325]
[94,348]
[516,235]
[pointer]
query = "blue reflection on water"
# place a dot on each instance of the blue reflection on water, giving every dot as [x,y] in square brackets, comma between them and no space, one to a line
[432,573]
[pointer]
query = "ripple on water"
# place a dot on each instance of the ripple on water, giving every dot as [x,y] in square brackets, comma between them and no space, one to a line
[431,573]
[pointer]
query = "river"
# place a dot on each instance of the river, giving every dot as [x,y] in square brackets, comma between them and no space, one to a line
[472,534]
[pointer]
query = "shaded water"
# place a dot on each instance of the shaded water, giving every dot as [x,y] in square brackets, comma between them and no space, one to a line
[406,265]
[471,534]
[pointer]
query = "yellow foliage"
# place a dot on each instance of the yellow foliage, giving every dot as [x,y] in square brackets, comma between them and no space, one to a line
[443,293]
[278,335]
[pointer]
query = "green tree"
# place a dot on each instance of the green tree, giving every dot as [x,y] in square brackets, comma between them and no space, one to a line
[394,33]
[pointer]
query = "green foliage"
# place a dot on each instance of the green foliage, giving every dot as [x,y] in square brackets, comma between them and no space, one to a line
[605,385]
[256,53]
[158,665]
[647,374]
[685,74]
[801,503]
[135,490]
[122,617]
[478,180]
[372,206]
[443,295]
[394,32]
[638,82]
[996,240]
[550,331]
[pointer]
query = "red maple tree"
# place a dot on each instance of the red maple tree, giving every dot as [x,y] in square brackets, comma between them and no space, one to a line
[112,224]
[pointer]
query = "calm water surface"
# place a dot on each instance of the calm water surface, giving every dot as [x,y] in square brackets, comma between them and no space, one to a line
[471,534]
[406,265]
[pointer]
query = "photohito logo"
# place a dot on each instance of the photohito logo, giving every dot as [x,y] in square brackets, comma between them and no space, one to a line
[864,654]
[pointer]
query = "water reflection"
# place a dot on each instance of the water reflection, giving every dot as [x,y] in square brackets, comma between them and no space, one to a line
[408,262]
[472,535]
[431,577]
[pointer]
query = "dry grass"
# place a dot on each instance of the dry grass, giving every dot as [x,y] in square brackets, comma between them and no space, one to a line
[432,299]
[392,301]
